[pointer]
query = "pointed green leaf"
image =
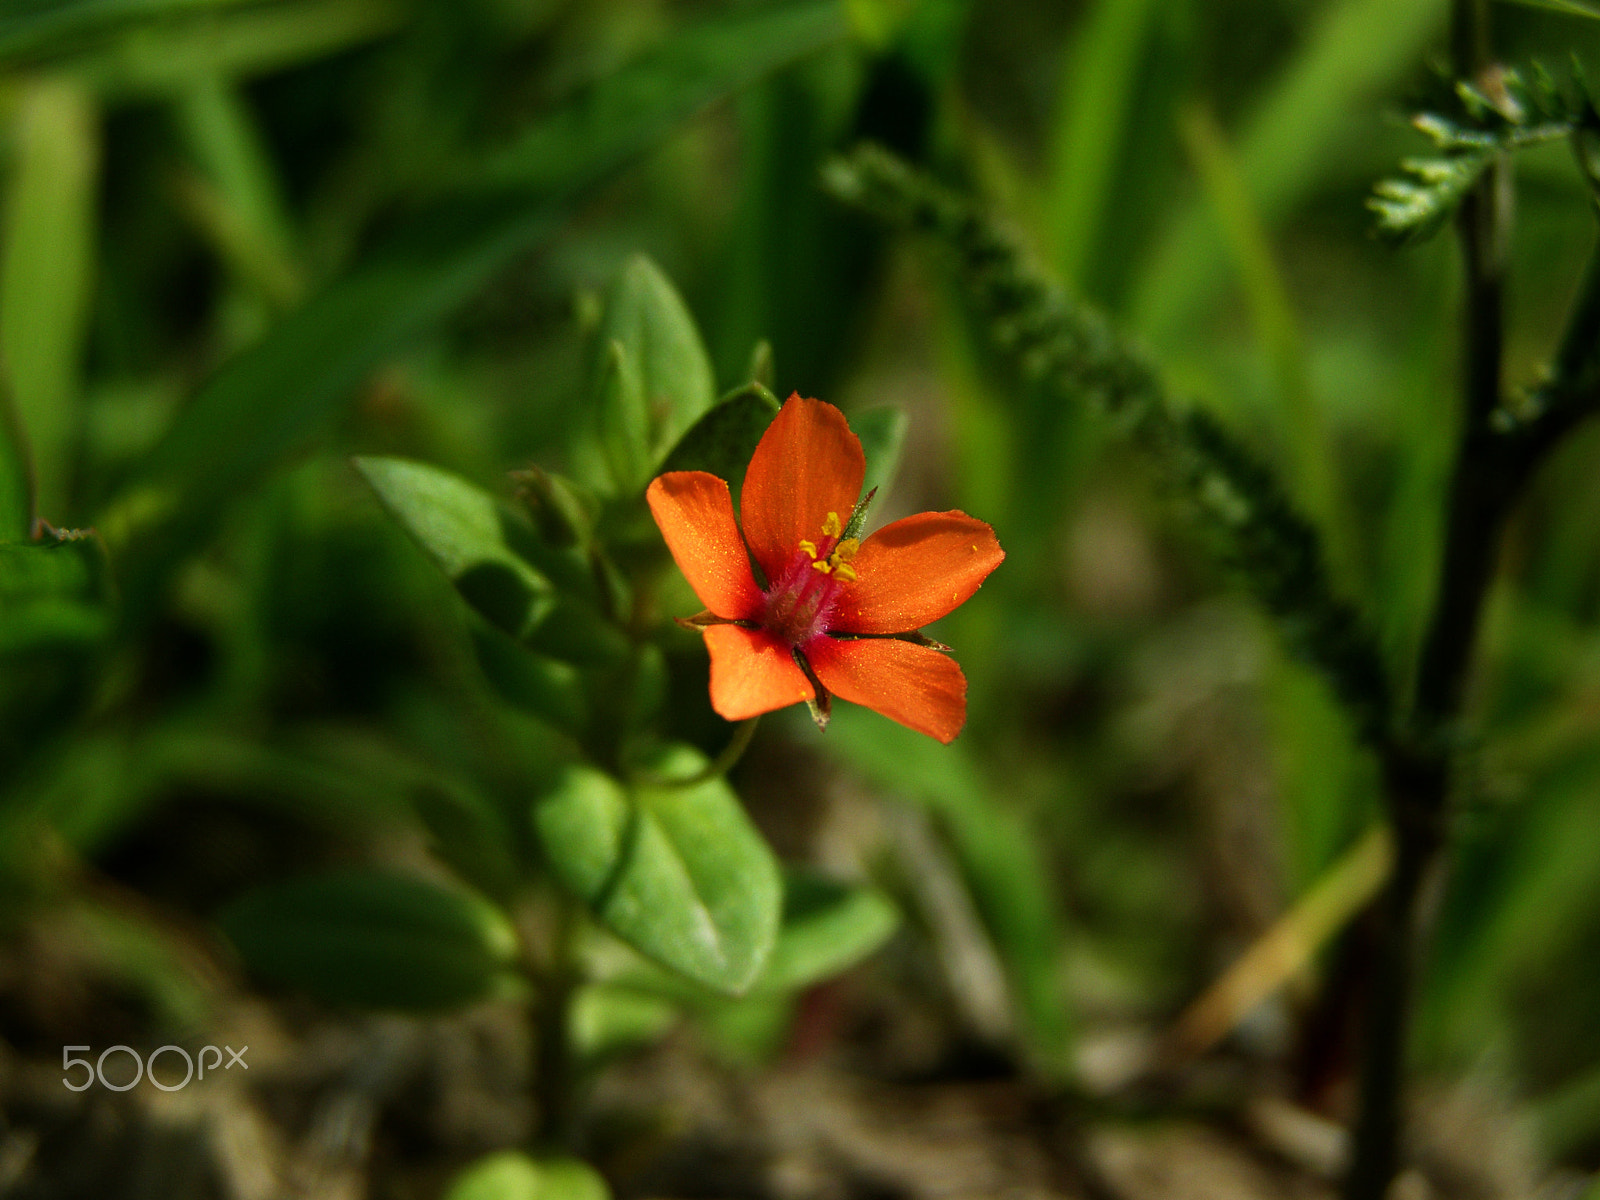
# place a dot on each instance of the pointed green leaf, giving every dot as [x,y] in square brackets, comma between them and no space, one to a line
[374,939]
[664,382]
[513,1175]
[463,530]
[679,873]
[723,440]
[827,928]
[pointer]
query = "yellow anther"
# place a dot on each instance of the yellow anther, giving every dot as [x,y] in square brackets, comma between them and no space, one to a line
[844,571]
[822,565]
[810,548]
[846,550]
[831,526]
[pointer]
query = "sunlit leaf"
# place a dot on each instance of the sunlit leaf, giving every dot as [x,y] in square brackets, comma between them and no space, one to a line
[679,873]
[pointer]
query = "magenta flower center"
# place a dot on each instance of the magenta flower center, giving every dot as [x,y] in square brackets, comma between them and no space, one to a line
[801,600]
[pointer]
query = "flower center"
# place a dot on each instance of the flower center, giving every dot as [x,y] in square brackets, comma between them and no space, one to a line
[802,599]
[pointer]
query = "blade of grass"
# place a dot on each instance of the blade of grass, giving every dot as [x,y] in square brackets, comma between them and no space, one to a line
[242,207]
[165,58]
[45,275]
[1288,146]
[1097,89]
[1286,948]
[31,28]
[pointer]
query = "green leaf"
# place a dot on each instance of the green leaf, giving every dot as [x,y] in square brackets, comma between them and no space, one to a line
[679,873]
[462,529]
[723,440]
[882,432]
[513,1175]
[374,939]
[655,375]
[268,400]
[1470,137]
[45,275]
[624,422]
[827,928]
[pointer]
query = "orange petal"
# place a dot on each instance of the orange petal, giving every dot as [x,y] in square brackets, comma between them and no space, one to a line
[808,464]
[920,688]
[752,673]
[695,515]
[914,571]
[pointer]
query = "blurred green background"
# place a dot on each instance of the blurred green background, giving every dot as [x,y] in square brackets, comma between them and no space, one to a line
[242,241]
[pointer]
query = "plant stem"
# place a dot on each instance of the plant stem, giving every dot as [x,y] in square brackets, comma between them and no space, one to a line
[1418,770]
[555,982]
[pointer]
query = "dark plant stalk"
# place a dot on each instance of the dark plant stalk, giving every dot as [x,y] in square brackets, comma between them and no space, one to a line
[1418,771]
[549,962]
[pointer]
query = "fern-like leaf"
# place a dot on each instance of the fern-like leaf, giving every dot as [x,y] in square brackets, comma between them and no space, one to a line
[1479,125]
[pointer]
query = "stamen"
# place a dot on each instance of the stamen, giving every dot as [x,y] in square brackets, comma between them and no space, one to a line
[809,548]
[846,550]
[824,565]
[844,572]
[831,526]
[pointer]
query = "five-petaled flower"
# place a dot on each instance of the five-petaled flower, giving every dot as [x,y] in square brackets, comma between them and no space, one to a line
[836,615]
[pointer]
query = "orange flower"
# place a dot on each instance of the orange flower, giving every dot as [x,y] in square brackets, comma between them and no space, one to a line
[837,616]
